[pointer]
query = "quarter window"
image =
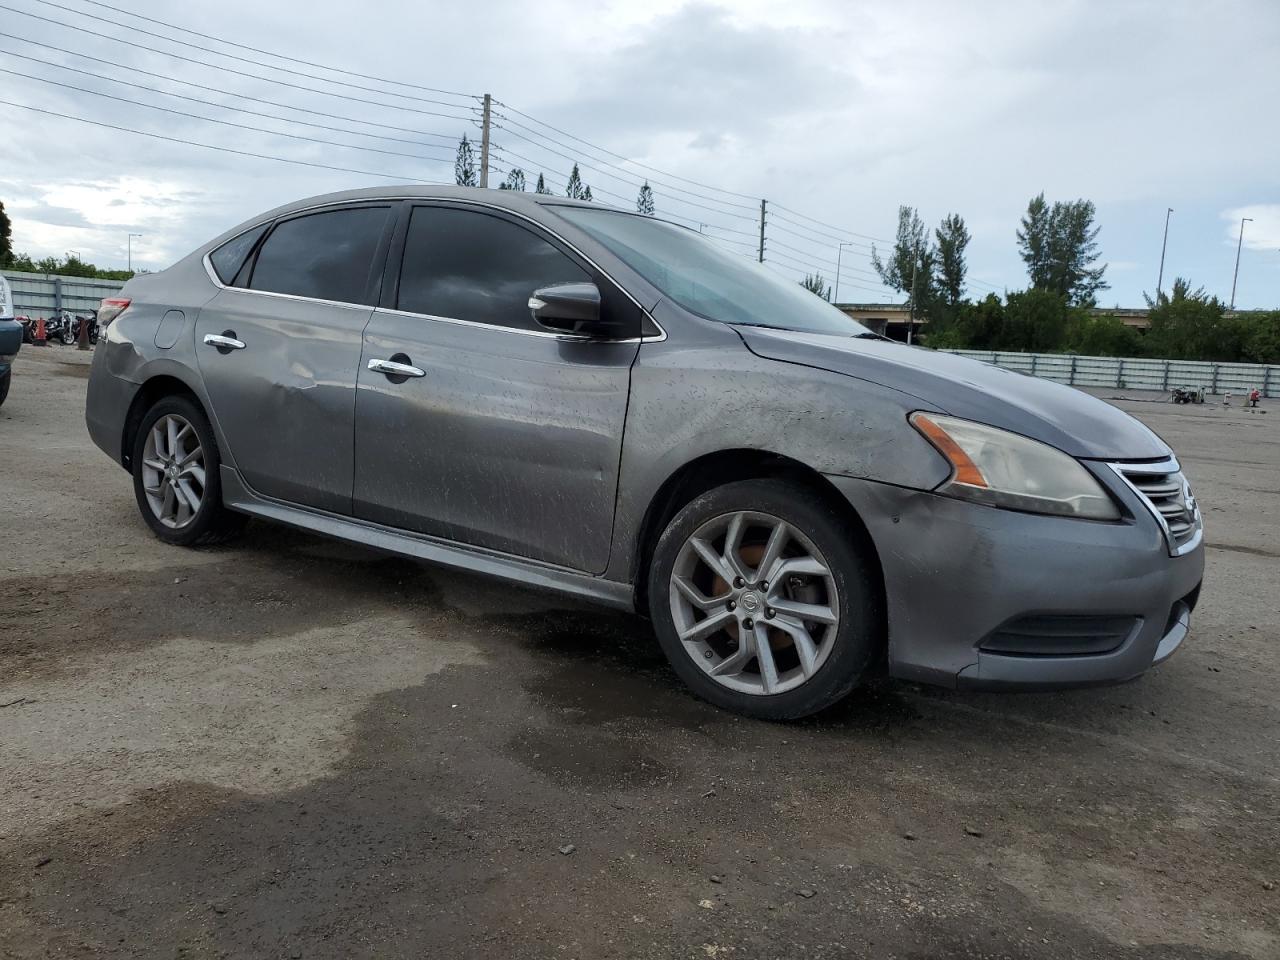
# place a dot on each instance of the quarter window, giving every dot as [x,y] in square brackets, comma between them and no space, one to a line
[229,258]
[328,256]
[472,266]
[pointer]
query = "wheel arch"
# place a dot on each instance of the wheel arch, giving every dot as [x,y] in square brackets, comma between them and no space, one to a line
[715,469]
[153,390]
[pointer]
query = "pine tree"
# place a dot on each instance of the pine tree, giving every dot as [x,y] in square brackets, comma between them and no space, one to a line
[542,186]
[573,190]
[815,284]
[514,181]
[1059,245]
[586,194]
[464,166]
[953,237]
[644,202]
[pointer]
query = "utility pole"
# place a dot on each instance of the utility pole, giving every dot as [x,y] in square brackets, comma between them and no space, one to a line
[839,251]
[131,236]
[911,317]
[1235,276]
[484,142]
[763,207]
[1160,279]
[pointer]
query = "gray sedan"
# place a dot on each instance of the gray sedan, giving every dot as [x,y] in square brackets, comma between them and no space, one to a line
[609,406]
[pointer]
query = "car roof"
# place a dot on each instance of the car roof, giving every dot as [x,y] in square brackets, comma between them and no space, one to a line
[516,200]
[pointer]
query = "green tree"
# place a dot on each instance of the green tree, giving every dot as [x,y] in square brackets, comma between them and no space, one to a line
[952,237]
[464,165]
[1059,245]
[644,201]
[910,266]
[1103,336]
[514,181]
[586,194]
[542,186]
[6,237]
[575,188]
[1259,336]
[815,284]
[1035,321]
[1189,324]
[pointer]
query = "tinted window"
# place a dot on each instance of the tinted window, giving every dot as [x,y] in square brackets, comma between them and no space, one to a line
[323,255]
[229,257]
[472,266]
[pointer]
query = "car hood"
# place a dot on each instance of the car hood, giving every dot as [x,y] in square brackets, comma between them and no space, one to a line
[1062,416]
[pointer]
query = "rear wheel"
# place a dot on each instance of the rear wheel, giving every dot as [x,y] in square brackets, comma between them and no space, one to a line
[4,384]
[764,600]
[176,476]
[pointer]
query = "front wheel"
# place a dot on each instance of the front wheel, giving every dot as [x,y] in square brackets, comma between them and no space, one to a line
[176,475]
[765,600]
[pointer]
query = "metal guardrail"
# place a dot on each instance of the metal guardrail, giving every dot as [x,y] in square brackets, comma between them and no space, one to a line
[44,294]
[1137,373]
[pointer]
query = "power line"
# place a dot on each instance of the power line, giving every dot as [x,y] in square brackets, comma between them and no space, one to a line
[228,123]
[605,173]
[630,173]
[249,60]
[229,93]
[619,156]
[211,146]
[853,233]
[224,69]
[818,242]
[279,56]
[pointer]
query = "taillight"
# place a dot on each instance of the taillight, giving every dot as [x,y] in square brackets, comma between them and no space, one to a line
[111,308]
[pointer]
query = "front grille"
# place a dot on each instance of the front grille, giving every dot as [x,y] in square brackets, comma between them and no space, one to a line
[1167,494]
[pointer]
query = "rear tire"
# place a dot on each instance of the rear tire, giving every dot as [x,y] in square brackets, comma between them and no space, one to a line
[176,477]
[4,384]
[775,649]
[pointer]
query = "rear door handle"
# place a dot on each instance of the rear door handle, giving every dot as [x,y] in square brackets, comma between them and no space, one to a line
[393,368]
[224,341]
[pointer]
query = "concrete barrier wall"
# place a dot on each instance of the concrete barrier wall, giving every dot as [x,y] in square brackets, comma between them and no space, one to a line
[1134,373]
[43,294]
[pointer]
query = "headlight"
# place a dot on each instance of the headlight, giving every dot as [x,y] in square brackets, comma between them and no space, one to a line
[1005,469]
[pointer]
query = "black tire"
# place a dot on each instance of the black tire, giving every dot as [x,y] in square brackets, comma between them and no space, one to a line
[859,642]
[4,384]
[213,522]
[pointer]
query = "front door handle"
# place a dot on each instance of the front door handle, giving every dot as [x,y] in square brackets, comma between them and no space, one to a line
[394,368]
[224,341]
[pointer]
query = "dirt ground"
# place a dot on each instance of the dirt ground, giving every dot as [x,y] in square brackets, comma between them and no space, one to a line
[289,747]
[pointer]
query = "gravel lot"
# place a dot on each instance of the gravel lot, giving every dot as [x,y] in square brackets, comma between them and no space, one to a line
[289,747]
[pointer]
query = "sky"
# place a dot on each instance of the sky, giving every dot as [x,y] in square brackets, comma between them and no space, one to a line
[835,112]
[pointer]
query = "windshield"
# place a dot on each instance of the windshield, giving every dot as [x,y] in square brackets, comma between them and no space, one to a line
[703,278]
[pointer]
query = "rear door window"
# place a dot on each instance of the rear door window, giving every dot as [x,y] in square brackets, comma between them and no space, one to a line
[324,256]
[468,265]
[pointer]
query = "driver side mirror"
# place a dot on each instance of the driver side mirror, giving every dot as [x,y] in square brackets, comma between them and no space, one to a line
[572,308]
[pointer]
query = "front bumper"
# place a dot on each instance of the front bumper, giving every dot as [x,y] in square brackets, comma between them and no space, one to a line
[956,572]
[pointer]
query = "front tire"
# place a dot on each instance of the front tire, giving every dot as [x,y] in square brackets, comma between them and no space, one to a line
[765,600]
[176,478]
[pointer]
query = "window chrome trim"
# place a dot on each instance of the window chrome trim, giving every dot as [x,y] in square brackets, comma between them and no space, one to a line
[1170,465]
[658,338]
[546,334]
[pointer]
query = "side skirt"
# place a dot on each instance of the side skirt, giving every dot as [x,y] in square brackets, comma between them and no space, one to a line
[236,495]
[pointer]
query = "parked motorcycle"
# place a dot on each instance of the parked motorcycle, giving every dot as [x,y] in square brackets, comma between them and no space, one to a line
[91,320]
[1187,395]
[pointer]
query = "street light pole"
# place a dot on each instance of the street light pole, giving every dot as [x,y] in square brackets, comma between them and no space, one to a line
[131,236]
[1235,276]
[839,252]
[1163,246]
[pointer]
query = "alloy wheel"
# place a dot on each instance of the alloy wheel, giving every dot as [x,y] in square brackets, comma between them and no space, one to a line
[173,475]
[754,603]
